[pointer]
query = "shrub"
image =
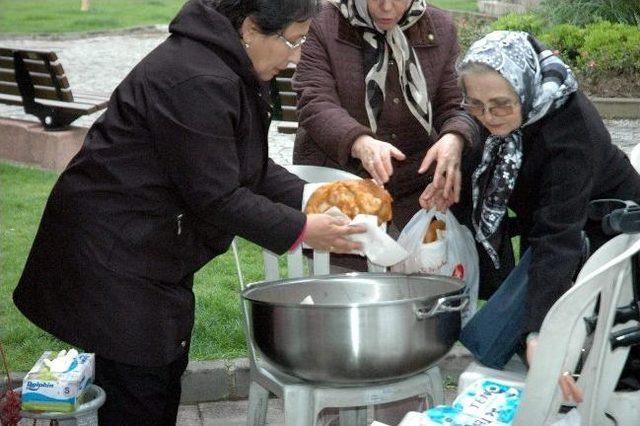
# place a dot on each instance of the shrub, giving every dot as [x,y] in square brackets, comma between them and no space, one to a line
[470,31]
[566,38]
[582,12]
[529,22]
[610,48]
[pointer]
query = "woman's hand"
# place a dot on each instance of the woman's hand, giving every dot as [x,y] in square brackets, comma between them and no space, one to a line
[376,157]
[328,233]
[434,197]
[568,386]
[445,188]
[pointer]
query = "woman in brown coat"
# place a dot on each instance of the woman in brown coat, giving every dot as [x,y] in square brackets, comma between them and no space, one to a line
[377,96]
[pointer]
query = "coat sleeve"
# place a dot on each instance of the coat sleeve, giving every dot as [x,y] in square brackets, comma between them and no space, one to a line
[555,238]
[319,108]
[449,117]
[281,186]
[195,131]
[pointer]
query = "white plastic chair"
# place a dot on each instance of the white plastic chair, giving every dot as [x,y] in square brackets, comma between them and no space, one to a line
[304,400]
[606,275]
[634,157]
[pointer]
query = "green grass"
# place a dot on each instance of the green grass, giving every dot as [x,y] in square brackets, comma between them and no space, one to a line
[463,5]
[58,16]
[218,331]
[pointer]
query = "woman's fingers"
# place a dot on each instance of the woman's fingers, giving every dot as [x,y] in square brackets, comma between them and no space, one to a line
[428,159]
[340,244]
[570,389]
[564,387]
[457,185]
[452,184]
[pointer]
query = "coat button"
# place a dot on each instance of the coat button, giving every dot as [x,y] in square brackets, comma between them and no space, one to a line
[183,343]
[431,37]
[268,115]
[391,63]
[396,101]
[394,136]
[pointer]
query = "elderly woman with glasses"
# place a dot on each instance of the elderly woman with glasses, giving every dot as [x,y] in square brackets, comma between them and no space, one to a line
[546,155]
[378,97]
[174,169]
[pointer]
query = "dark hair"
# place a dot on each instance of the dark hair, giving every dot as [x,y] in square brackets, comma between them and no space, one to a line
[271,16]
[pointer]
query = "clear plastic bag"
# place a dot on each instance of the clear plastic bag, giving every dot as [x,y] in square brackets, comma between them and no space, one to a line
[455,255]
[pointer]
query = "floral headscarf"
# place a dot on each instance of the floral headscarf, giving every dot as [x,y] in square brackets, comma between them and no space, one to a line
[543,83]
[378,43]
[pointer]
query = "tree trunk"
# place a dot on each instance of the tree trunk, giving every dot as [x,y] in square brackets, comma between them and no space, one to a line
[84,5]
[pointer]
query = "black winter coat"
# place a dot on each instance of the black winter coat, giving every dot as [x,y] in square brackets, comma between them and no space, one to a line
[167,176]
[568,161]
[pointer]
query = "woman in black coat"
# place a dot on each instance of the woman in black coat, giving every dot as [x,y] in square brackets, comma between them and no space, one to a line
[546,155]
[176,167]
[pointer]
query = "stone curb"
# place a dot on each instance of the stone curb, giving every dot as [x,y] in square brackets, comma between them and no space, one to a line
[628,108]
[228,379]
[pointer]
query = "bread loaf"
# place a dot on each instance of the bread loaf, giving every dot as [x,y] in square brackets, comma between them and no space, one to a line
[432,234]
[352,197]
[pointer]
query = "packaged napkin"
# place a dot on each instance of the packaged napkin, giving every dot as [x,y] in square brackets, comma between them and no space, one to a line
[57,381]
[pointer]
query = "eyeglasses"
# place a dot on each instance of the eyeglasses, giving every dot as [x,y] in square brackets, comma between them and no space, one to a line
[290,44]
[479,109]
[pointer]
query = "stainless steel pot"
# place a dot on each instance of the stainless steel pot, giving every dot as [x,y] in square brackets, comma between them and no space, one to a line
[362,327]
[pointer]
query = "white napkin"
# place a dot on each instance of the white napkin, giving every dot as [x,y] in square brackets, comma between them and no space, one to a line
[377,246]
[62,362]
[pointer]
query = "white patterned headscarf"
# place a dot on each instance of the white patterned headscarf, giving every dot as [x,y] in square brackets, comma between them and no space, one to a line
[543,84]
[379,45]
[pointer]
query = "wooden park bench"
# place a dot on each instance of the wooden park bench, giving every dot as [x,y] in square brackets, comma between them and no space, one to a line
[288,100]
[36,80]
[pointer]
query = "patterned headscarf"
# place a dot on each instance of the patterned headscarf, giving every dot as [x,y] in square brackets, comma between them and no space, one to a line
[376,59]
[543,83]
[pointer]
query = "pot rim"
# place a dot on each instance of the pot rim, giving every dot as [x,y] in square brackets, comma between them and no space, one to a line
[246,297]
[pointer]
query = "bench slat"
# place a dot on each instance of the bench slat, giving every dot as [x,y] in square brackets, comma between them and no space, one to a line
[284,84]
[42,92]
[287,72]
[32,66]
[71,106]
[31,53]
[289,113]
[10,99]
[37,78]
[288,99]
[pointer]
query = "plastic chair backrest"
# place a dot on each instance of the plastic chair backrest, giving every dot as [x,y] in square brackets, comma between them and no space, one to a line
[605,279]
[634,157]
[295,259]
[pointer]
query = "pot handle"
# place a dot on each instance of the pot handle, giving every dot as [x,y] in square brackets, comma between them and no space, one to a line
[443,305]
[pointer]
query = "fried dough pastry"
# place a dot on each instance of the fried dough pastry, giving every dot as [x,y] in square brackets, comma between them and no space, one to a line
[352,197]
[432,234]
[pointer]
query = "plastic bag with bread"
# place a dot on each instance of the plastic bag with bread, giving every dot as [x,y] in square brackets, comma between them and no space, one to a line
[352,197]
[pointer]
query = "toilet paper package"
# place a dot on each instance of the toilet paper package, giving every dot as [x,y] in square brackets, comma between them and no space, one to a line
[57,381]
[484,402]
